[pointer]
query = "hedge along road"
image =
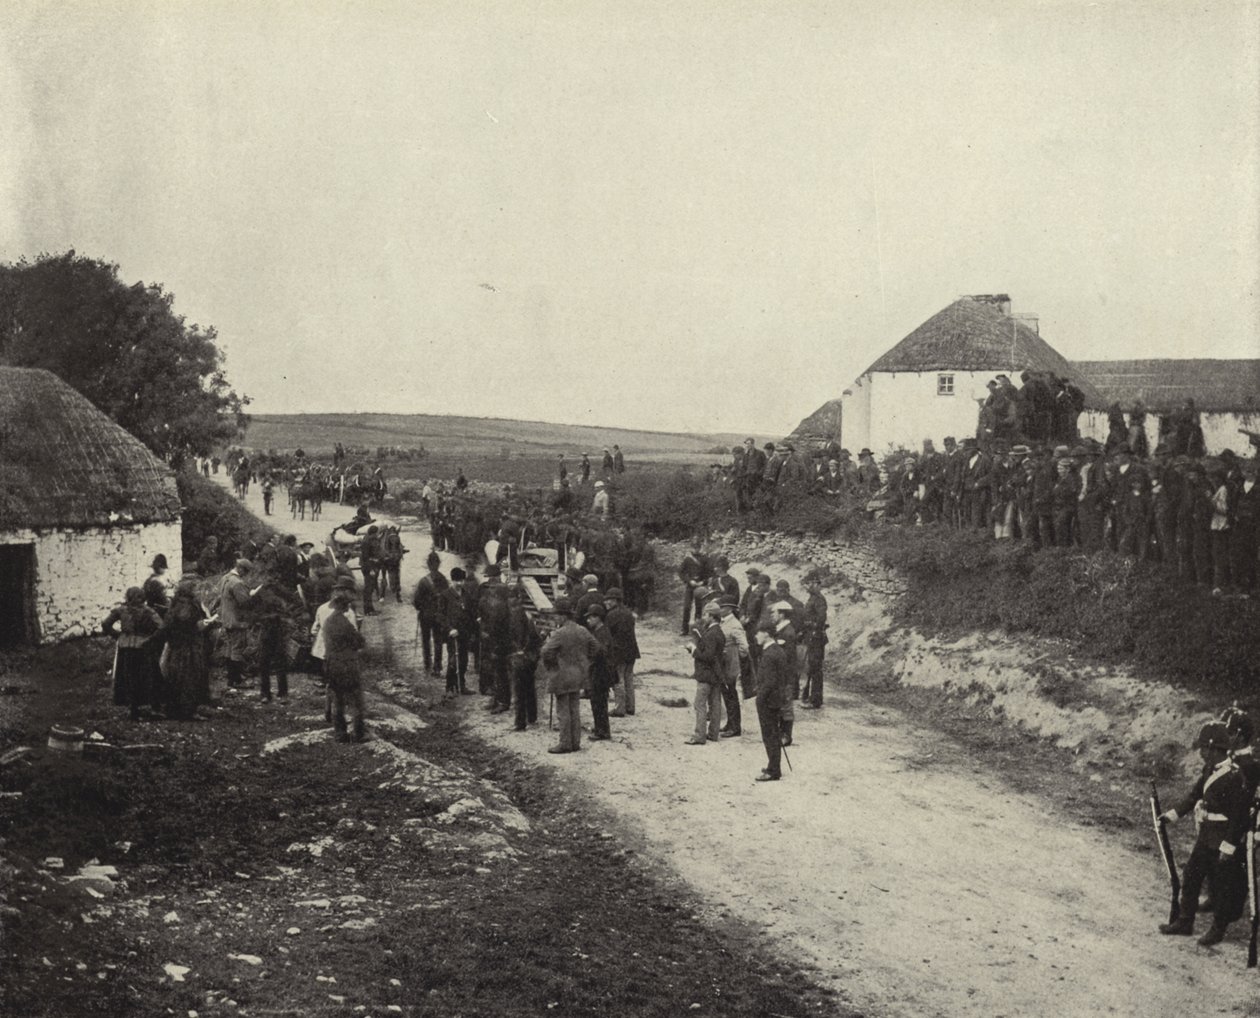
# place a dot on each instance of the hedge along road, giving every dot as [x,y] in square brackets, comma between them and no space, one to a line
[912,880]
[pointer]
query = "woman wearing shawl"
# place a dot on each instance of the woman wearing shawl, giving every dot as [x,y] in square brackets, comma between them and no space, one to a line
[186,665]
[135,670]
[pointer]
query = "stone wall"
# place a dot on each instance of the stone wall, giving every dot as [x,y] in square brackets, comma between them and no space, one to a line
[81,574]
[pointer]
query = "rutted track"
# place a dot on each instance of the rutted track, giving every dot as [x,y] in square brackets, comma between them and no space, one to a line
[915,881]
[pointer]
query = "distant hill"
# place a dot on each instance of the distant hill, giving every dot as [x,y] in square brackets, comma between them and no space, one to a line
[470,435]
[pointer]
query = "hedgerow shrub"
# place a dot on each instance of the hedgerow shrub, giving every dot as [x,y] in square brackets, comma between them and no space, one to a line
[208,509]
[674,505]
[1106,606]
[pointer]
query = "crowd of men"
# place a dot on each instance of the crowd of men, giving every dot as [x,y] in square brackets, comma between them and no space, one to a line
[1199,515]
[465,522]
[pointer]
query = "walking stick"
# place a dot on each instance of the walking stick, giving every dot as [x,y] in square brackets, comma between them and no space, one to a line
[415,644]
[788,759]
[551,706]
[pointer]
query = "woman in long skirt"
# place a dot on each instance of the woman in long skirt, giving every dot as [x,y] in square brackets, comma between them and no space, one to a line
[186,664]
[136,680]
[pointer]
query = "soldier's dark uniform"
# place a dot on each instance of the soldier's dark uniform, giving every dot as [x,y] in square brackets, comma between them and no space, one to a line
[1220,804]
[815,638]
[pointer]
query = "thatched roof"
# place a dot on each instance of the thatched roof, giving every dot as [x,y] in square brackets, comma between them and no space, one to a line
[820,427]
[1163,385]
[975,334]
[63,463]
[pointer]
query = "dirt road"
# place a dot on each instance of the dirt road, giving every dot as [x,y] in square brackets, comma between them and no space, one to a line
[916,883]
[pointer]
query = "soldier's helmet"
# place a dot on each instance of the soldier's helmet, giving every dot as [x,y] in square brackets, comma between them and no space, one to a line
[1238,724]
[1214,735]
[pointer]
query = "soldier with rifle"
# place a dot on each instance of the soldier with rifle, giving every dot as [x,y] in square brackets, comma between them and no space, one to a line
[1221,808]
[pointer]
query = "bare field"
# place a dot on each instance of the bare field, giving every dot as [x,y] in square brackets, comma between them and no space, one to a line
[473,436]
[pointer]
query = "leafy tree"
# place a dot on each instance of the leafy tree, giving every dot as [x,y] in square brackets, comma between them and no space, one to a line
[124,348]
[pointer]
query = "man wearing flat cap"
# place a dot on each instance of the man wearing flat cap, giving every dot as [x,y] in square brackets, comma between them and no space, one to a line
[1220,805]
[707,648]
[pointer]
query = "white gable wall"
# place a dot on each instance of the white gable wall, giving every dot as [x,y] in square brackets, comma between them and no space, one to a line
[1220,430]
[903,408]
[81,574]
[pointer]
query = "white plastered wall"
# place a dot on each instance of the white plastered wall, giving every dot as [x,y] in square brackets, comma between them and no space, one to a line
[906,409]
[81,574]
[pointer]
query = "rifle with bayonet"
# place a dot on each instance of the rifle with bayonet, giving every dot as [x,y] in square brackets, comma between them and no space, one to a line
[1251,886]
[1165,849]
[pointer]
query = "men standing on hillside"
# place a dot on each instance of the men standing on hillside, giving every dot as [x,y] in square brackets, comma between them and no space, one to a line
[619,461]
[599,505]
[586,468]
[607,465]
[754,469]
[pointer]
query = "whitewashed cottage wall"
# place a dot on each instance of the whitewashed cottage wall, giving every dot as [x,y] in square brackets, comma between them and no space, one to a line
[80,574]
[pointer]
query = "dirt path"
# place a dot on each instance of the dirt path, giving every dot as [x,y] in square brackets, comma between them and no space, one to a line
[914,881]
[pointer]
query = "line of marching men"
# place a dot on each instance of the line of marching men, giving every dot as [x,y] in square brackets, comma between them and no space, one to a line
[1223,804]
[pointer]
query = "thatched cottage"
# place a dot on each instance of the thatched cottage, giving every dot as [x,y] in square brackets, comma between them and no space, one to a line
[84,507]
[934,381]
[1225,392]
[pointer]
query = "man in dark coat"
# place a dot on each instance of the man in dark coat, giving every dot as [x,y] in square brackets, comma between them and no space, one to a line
[707,649]
[460,601]
[773,680]
[625,651]
[426,603]
[815,638]
[602,672]
[619,461]
[370,563]
[495,640]
[526,647]
[694,571]
[754,469]
[1221,806]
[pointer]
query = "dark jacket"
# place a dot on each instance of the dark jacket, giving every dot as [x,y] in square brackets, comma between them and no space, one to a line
[342,643]
[708,656]
[625,646]
[774,675]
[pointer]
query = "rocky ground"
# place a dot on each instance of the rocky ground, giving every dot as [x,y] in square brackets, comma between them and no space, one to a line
[918,860]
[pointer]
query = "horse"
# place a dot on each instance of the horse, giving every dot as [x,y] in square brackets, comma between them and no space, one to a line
[240,482]
[303,494]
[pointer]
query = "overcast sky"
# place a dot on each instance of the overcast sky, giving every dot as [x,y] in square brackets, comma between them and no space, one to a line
[678,215]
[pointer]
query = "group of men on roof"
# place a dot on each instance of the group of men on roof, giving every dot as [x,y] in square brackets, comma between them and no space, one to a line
[1044,408]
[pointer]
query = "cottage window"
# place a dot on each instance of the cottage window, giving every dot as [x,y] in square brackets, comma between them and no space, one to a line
[944,385]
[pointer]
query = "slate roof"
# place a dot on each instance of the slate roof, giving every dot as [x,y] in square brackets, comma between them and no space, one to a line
[975,335]
[63,463]
[1163,385]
